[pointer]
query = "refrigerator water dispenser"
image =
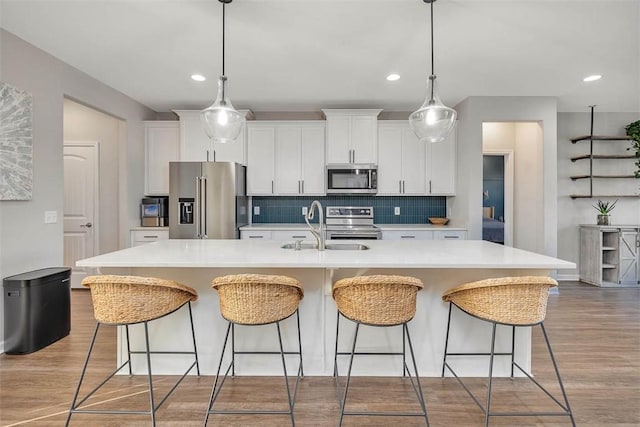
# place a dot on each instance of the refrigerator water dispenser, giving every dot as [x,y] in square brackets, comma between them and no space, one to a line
[185,214]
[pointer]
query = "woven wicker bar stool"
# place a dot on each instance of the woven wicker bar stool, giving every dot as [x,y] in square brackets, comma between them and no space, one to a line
[509,301]
[128,300]
[251,300]
[383,301]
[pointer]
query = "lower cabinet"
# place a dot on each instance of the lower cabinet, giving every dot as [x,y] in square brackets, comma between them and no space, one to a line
[290,235]
[141,237]
[252,234]
[424,234]
[407,235]
[449,234]
[610,255]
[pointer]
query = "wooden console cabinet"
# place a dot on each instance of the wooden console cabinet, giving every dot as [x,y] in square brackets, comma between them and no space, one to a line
[610,255]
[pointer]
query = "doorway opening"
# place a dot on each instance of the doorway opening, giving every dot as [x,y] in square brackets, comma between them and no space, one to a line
[92,146]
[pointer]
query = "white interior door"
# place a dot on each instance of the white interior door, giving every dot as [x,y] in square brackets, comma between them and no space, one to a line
[81,168]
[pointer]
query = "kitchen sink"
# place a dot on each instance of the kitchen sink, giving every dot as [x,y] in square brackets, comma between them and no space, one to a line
[328,246]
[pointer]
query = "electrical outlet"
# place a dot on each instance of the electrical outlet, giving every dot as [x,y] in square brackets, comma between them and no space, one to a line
[256,210]
[50,217]
[304,211]
[396,210]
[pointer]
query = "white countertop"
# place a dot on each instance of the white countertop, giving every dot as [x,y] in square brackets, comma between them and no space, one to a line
[399,227]
[382,254]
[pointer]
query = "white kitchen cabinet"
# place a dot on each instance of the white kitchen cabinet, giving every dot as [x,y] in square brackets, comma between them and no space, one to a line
[401,160]
[352,136]
[407,235]
[421,233]
[142,236]
[441,166]
[449,235]
[261,143]
[300,166]
[286,158]
[161,146]
[287,235]
[196,146]
[255,234]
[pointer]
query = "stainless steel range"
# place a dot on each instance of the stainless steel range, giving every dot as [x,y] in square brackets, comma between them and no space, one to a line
[350,223]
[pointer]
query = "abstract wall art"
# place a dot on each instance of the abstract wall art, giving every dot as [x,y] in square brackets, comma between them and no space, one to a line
[16,143]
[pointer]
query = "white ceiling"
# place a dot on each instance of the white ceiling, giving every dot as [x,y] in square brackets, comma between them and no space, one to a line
[304,55]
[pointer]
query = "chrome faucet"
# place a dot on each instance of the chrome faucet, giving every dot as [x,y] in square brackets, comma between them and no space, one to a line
[317,233]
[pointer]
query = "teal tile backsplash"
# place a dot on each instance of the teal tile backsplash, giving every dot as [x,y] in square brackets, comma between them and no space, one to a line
[413,210]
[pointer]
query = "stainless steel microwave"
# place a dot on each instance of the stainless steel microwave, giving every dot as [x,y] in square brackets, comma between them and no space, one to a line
[352,179]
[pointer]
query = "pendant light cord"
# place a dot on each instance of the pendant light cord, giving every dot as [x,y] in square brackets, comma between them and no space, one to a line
[432,61]
[223,25]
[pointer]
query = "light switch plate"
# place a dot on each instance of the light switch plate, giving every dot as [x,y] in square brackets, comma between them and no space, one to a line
[256,210]
[396,210]
[50,217]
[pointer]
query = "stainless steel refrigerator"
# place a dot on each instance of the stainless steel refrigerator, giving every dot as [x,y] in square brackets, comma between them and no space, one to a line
[207,200]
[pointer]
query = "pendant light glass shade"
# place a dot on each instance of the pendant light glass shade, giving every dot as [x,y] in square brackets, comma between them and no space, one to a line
[221,122]
[433,121]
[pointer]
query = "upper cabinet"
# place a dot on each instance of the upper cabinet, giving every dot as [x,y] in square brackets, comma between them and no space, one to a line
[285,158]
[352,136]
[441,166]
[196,146]
[161,142]
[409,167]
[402,160]
[299,166]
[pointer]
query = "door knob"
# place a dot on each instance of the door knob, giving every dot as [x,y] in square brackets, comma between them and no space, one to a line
[88,225]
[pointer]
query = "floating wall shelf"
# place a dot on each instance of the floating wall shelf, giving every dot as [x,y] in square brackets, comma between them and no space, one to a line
[591,157]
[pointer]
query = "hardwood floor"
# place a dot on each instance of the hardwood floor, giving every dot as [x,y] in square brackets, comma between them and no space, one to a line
[594,332]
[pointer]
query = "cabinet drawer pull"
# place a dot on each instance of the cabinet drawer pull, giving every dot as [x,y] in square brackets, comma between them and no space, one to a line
[150,237]
[408,237]
[451,237]
[298,237]
[256,237]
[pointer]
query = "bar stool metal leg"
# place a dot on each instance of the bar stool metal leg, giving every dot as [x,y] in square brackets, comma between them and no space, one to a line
[486,408]
[417,387]
[219,381]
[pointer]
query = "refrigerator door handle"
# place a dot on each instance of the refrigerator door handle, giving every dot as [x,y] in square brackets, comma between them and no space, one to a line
[203,207]
[196,208]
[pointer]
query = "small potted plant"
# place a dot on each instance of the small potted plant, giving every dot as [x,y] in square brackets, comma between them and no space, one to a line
[604,209]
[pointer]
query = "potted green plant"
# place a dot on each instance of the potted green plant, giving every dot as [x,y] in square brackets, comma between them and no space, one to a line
[633,131]
[604,209]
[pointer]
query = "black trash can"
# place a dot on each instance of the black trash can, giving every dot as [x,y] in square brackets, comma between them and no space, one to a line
[37,309]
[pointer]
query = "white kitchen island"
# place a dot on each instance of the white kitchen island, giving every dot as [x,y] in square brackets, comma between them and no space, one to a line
[439,264]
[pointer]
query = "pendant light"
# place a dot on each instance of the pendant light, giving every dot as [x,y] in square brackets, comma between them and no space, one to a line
[221,122]
[433,121]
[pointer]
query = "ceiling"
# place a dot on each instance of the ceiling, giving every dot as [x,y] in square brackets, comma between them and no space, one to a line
[304,55]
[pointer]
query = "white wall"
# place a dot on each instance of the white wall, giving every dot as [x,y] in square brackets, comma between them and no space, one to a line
[472,113]
[82,123]
[573,212]
[26,243]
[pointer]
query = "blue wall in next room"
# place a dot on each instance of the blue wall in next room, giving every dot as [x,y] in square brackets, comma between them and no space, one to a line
[413,210]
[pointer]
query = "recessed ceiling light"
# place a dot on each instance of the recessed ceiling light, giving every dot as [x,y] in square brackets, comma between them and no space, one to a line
[393,77]
[198,77]
[592,78]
